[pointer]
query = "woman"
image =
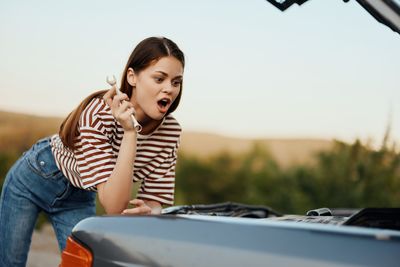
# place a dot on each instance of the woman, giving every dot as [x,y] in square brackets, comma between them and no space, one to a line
[98,149]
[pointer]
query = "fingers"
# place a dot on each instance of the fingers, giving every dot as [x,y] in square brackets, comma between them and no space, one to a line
[120,107]
[145,210]
[123,113]
[137,202]
[140,209]
[113,99]
[109,95]
[118,99]
[125,105]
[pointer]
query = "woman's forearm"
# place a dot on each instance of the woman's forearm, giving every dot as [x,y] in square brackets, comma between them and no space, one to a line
[114,195]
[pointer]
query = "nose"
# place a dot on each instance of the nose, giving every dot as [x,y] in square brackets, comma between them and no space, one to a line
[167,88]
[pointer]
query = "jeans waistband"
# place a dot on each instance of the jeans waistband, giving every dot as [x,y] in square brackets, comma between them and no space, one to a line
[44,140]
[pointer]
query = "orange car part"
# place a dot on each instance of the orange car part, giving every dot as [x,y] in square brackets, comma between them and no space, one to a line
[75,255]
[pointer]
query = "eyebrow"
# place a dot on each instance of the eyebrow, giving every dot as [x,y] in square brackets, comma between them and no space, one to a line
[165,74]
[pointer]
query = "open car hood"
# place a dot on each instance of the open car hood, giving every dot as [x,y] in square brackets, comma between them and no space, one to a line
[386,12]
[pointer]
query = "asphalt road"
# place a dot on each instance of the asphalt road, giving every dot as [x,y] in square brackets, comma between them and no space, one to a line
[44,249]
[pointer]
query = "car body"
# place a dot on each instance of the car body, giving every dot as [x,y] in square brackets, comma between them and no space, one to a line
[230,234]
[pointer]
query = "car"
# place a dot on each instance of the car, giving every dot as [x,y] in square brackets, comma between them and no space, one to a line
[236,234]
[233,234]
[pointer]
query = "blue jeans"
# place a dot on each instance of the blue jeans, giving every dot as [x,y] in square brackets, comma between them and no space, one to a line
[32,185]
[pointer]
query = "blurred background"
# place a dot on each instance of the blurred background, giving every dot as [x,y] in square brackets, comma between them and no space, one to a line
[293,110]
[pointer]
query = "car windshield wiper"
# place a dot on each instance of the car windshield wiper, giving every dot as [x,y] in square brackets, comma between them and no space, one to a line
[386,12]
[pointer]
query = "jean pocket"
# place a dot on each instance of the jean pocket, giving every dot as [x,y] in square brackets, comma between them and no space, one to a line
[82,195]
[42,162]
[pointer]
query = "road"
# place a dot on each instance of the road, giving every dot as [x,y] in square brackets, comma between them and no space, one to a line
[44,248]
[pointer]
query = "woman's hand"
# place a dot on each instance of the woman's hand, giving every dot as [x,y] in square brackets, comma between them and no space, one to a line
[143,207]
[121,108]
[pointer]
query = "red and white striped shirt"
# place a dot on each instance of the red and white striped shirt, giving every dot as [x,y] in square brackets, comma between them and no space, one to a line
[97,149]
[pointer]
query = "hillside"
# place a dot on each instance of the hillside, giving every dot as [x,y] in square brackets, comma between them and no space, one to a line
[18,131]
[287,152]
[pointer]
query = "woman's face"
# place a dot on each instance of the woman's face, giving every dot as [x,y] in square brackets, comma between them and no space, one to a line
[156,88]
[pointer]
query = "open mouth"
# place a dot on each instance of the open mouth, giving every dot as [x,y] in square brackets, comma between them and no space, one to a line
[163,104]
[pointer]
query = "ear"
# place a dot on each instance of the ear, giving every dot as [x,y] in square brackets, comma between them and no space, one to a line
[131,77]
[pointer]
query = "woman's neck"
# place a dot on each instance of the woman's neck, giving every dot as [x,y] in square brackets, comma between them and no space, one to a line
[148,125]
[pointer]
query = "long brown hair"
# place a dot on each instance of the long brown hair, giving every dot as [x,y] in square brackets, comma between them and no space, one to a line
[145,53]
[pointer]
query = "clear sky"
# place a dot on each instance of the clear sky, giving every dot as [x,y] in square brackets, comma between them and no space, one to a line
[326,69]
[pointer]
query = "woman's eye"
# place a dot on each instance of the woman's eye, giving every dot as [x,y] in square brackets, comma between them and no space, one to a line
[158,79]
[176,83]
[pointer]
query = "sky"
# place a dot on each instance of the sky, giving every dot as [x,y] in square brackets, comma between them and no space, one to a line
[325,69]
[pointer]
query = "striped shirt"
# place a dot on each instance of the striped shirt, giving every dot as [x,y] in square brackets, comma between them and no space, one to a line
[97,148]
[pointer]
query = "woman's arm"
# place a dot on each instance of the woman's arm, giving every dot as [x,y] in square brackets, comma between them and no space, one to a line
[115,193]
[164,179]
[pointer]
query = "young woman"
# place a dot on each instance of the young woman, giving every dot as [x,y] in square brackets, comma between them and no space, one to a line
[98,149]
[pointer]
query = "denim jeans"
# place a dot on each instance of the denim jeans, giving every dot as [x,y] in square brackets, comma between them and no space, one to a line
[35,184]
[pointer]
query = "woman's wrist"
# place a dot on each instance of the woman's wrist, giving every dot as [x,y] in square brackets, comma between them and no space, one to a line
[130,132]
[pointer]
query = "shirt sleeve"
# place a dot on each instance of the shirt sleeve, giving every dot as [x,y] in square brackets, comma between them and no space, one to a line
[159,184]
[94,152]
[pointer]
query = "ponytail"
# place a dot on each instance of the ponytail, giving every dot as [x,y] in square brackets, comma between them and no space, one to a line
[69,129]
